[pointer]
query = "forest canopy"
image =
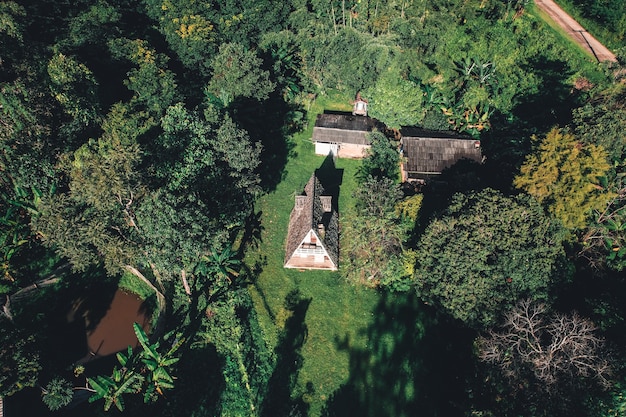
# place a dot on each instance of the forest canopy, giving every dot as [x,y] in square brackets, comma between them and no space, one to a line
[140,144]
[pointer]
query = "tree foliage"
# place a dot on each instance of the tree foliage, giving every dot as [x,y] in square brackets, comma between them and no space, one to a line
[20,359]
[485,253]
[238,72]
[57,394]
[396,101]
[373,237]
[566,176]
[382,160]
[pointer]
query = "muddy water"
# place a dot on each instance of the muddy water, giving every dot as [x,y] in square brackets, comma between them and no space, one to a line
[114,332]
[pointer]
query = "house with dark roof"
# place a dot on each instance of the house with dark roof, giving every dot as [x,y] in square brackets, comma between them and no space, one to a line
[343,134]
[427,153]
[313,235]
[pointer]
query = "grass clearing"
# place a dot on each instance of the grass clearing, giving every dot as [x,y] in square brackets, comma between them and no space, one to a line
[337,310]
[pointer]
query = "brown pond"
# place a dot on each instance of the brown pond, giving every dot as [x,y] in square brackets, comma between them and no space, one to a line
[114,331]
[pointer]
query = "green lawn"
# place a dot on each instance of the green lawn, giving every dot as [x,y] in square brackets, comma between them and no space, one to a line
[336,310]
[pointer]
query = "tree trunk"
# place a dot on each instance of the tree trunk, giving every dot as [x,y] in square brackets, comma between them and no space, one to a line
[183,277]
[159,295]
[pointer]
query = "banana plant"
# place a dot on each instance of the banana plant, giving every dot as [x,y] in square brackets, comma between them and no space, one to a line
[157,365]
[112,388]
[147,371]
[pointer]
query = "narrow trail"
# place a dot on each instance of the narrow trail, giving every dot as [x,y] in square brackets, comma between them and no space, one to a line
[576,31]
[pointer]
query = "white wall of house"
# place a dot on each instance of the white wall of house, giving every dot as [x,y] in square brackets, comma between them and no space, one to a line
[324,148]
[311,254]
[344,150]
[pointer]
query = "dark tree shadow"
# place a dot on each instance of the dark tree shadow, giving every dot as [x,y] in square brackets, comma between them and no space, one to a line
[509,141]
[415,364]
[331,178]
[279,400]
[270,122]
[465,176]
[252,231]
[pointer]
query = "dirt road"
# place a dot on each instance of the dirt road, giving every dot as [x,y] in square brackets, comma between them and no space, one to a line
[576,31]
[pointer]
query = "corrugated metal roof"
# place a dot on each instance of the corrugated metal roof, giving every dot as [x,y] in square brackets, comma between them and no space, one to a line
[344,128]
[330,135]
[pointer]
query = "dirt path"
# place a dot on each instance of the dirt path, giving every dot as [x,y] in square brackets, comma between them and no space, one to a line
[576,31]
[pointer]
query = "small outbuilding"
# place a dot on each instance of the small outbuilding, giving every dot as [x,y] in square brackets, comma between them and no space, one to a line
[360,106]
[343,134]
[427,153]
[313,235]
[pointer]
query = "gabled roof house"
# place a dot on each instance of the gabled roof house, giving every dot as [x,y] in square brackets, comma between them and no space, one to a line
[343,134]
[313,236]
[427,153]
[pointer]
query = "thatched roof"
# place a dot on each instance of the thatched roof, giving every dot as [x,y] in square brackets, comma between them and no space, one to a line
[307,214]
[430,152]
[343,128]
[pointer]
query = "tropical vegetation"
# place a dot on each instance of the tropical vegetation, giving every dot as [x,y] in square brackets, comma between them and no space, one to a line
[157,146]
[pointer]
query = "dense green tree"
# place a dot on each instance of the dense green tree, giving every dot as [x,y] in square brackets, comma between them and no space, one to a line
[9,26]
[154,85]
[206,170]
[382,160]
[29,147]
[95,25]
[230,326]
[189,30]
[566,176]
[485,253]
[57,394]
[237,73]
[73,85]
[601,122]
[95,222]
[396,101]
[20,358]
[287,64]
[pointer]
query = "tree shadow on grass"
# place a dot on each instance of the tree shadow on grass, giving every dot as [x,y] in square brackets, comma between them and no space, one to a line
[331,178]
[414,364]
[270,122]
[280,400]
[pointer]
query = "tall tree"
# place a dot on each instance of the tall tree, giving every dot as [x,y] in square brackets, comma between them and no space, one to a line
[565,175]
[237,72]
[485,253]
[382,160]
[189,30]
[395,100]
[95,221]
